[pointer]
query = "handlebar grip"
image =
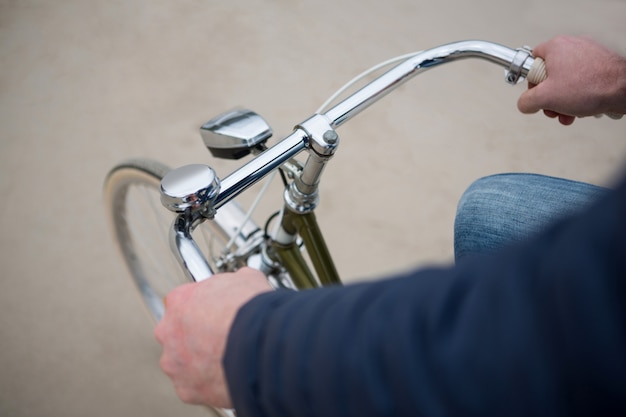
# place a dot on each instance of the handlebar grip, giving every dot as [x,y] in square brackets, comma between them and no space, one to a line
[537,75]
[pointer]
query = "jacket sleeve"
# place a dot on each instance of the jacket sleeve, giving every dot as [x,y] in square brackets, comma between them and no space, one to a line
[536,329]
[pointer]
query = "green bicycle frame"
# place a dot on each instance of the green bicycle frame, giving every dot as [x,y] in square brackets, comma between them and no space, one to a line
[290,256]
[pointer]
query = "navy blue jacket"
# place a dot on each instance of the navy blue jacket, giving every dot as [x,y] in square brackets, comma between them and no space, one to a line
[535,329]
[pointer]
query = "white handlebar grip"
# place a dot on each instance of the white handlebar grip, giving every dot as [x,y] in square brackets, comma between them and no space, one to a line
[537,74]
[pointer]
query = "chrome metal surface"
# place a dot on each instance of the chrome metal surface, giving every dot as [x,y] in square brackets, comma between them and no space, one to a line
[300,202]
[247,237]
[416,64]
[317,128]
[323,142]
[193,187]
[197,188]
[515,72]
[260,166]
[239,128]
[307,181]
[186,250]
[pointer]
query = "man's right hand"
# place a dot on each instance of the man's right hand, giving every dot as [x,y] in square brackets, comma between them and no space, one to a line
[584,79]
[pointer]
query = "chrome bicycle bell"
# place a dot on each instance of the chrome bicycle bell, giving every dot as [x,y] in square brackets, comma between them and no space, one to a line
[191,187]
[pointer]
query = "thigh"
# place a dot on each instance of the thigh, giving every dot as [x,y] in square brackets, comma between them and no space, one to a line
[506,208]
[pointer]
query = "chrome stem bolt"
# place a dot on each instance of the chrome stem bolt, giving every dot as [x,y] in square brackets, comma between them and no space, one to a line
[331,137]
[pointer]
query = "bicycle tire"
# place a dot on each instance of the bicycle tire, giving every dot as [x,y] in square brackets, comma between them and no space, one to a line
[141,228]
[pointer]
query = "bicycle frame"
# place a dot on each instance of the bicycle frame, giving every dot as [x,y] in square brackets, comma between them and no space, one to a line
[317,136]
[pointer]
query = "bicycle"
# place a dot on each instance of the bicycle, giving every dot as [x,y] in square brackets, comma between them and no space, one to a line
[210,232]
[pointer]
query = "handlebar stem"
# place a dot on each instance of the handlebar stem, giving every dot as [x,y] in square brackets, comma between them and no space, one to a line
[323,142]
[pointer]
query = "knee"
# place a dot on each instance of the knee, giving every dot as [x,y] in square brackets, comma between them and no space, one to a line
[505,208]
[494,211]
[477,223]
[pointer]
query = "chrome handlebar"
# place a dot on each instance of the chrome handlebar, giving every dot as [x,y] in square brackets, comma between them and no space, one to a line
[517,62]
[313,135]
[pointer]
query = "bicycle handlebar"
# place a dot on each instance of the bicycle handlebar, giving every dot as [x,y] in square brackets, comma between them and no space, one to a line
[518,62]
[313,134]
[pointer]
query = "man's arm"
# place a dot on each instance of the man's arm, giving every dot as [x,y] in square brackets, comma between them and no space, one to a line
[538,329]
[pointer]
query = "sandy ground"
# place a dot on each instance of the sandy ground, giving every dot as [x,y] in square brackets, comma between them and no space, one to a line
[84,85]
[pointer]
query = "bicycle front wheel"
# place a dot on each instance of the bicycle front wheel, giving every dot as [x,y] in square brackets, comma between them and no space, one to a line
[141,227]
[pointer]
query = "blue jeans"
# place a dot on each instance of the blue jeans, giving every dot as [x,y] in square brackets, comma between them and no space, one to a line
[507,208]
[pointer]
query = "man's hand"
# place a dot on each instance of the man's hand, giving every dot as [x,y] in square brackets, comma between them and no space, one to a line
[584,79]
[195,329]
